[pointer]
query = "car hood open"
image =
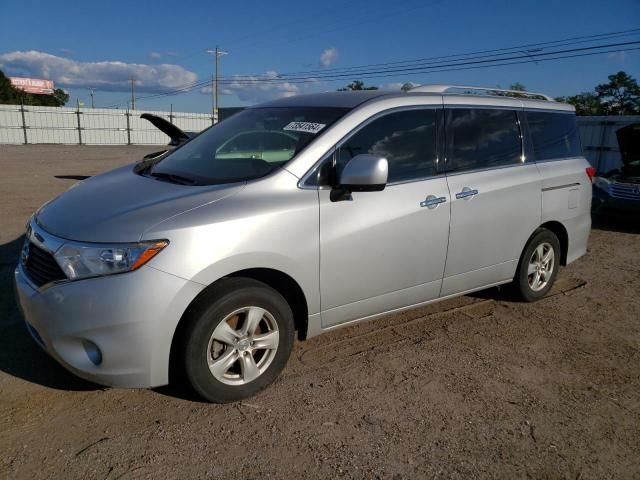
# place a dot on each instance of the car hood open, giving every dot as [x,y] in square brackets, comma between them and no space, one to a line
[176,135]
[119,206]
[629,143]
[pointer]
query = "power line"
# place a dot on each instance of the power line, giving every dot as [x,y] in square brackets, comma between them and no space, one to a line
[405,66]
[420,67]
[355,70]
[556,43]
[503,62]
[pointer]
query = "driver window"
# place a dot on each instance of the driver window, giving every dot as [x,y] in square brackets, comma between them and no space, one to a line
[407,139]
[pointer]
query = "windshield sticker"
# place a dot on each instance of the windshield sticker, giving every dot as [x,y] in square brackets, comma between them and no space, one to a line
[307,127]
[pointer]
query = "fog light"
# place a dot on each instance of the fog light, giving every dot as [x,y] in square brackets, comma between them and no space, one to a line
[92,351]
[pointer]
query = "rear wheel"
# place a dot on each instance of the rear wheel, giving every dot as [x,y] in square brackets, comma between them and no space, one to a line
[538,266]
[238,341]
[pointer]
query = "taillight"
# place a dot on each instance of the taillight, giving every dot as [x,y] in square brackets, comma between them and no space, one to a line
[591,172]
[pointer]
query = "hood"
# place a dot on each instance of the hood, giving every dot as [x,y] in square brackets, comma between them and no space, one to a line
[119,206]
[629,143]
[176,135]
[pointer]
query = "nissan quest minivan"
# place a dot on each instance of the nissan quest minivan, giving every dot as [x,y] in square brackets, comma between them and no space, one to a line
[296,217]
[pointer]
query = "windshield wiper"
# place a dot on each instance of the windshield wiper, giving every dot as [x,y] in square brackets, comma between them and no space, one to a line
[173,178]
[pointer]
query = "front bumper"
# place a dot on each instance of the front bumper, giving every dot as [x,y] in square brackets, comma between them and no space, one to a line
[605,203]
[130,317]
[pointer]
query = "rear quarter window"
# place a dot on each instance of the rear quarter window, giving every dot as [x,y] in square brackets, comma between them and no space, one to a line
[554,135]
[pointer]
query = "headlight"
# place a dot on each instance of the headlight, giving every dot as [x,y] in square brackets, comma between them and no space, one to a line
[91,260]
[602,183]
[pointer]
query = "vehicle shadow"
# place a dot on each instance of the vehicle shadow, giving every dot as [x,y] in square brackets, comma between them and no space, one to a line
[616,223]
[20,356]
[501,293]
[73,177]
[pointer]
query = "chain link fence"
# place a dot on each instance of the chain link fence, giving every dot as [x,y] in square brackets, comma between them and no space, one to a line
[24,124]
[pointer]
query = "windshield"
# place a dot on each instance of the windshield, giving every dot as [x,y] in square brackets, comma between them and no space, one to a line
[248,145]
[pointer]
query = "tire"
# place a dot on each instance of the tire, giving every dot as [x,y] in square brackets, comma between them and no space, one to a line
[535,278]
[255,316]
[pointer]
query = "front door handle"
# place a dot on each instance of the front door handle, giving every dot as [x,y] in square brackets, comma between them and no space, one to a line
[432,201]
[466,193]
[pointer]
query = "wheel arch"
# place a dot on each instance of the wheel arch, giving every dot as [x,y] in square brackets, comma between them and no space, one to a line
[281,282]
[560,231]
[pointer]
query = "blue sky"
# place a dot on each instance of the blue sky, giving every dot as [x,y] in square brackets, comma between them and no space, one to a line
[163,44]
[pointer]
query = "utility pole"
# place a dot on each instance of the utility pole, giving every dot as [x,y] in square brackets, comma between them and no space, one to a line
[133,93]
[91,92]
[214,81]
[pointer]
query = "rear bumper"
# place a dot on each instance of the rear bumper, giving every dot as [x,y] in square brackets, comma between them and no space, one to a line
[130,318]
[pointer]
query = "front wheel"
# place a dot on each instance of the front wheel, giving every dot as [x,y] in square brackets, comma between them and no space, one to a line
[238,341]
[538,266]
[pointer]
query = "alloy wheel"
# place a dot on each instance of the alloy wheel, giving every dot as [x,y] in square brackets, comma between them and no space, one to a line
[243,345]
[541,265]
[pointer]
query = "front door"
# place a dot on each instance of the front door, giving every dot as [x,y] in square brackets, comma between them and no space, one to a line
[386,250]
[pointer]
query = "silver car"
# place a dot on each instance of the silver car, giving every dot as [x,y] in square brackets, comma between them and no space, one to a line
[296,217]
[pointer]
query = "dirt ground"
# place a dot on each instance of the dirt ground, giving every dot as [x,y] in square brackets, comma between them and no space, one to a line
[476,387]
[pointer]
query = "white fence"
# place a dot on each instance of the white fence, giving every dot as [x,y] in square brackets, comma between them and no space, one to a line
[89,126]
[101,126]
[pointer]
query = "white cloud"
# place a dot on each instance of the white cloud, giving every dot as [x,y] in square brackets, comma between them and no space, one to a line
[619,57]
[106,75]
[155,55]
[256,89]
[328,56]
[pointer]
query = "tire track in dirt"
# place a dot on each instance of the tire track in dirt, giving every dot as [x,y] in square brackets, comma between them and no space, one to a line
[321,353]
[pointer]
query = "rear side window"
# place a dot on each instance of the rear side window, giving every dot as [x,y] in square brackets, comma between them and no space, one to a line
[554,135]
[482,138]
[407,139]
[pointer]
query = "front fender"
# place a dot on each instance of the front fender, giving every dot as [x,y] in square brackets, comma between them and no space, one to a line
[269,224]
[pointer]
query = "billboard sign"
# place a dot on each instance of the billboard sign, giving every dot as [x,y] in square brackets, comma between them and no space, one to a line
[33,85]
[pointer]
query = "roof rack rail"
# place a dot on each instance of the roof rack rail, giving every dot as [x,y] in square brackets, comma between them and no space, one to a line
[437,88]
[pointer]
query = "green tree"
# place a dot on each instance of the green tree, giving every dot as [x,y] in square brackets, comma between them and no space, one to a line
[8,94]
[60,97]
[586,103]
[514,86]
[357,85]
[621,96]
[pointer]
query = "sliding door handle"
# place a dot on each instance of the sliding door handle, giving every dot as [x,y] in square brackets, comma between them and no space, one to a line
[432,201]
[466,193]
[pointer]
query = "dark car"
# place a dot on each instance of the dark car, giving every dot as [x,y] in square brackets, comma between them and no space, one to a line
[618,191]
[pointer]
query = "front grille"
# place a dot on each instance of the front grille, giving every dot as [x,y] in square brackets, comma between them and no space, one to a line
[41,267]
[625,191]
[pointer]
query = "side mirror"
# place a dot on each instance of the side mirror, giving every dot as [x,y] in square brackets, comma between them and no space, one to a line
[364,173]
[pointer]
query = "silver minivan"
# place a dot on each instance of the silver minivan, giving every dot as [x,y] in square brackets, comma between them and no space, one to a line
[296,217]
